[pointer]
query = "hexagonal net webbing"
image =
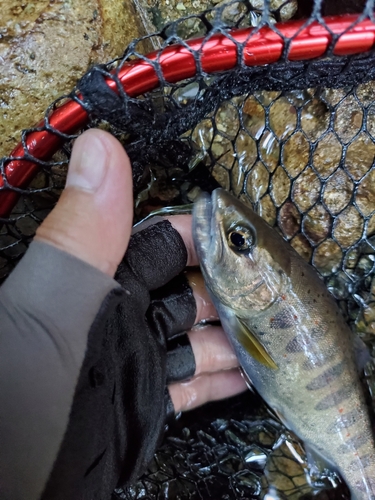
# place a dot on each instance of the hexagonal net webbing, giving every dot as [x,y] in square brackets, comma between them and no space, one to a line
[272,100]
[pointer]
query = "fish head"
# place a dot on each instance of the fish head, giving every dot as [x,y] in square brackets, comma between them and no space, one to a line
[244,261]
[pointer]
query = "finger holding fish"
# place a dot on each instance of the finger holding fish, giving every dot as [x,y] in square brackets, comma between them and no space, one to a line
[205,308]
[212,350]
[216,375]
[206,387]
[183,224]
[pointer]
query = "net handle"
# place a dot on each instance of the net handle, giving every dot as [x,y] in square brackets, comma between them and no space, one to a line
[217,53]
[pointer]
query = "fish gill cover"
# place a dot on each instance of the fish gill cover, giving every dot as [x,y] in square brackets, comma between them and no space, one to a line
[291,132]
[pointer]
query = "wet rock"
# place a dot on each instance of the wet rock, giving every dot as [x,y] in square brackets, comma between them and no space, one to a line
[339,285]
[289,220]
[306,190]
[227,120]
[327,257]
[161,12]
[365,93]
[283,118]
[246,151]
[280,481]
[237,179]
[370,226]
[222,151]
[267,210]
[281,9]
[203,134]
[295,154]
[269,150]
[47,46]
[253,117]
[315,118]
[348,119]
[348,227]
[327,155]
[257,182]
[365,196]
[280,186]
[302,246]
[266,439]
[221,175]
[337,192]
[317,224]
[360,156]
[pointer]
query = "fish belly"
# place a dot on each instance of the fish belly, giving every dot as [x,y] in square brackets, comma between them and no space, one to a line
[316,388]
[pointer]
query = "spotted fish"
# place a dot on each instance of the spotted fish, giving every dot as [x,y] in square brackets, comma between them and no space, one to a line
[288,334]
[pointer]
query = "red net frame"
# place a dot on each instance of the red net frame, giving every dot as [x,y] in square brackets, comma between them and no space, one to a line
[351,34]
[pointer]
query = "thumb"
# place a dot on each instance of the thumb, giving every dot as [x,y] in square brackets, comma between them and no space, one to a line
[93,217]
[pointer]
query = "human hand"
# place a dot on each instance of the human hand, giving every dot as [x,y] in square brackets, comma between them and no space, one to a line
[216,375]
[96,227]
[79,407]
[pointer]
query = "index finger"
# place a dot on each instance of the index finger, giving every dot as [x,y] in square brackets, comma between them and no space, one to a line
[183,224]
[156,254]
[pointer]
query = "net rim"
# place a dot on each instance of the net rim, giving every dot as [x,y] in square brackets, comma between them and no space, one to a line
[217,52]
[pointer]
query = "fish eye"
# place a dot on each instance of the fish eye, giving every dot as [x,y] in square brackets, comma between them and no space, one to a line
[240,239]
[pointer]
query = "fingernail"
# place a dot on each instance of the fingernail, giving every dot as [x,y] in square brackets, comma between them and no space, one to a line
[88,164]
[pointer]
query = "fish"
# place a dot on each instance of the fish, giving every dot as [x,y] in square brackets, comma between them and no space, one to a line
[289,335]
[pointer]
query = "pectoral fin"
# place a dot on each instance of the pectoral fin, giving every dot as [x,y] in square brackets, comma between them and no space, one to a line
[253,346]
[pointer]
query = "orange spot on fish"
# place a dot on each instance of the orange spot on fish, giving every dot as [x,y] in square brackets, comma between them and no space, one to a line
[348,434]
[295,316]
[283,297]
[341,410]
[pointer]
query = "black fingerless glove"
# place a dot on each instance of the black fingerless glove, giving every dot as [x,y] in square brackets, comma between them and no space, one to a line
[87,401]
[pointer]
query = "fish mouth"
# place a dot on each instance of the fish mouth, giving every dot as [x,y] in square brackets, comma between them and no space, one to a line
[206,227]
[202,222]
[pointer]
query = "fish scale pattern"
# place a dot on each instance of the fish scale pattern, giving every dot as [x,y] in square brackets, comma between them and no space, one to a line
[294,139]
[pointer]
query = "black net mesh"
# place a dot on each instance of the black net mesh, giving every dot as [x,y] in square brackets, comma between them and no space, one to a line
[296,140]
[240,452]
